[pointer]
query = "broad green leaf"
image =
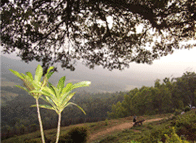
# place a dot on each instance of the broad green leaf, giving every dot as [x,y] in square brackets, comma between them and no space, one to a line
[81,84]
[36,84]
[16,74]
[45,81]
[29,75]
[44,93]
[48,100]
[48,90]
[71,103]
[50,96]
[67,88]
[50,84]
[60,84]
[38,73]
[28,84]
[55,90]
[22,88]
[49,69]
[36,91]
[66,98]
[44,106]
[49,74]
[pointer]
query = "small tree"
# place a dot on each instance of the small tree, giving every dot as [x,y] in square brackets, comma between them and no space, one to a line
[58,98]
[35,84]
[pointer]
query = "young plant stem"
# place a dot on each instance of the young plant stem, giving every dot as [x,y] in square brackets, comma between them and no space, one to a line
[40,121]
[58,128]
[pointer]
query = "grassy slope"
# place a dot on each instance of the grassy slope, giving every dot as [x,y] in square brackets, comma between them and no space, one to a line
[185,126]
[93,129]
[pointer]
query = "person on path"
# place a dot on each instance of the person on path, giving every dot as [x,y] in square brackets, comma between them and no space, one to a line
[134,118]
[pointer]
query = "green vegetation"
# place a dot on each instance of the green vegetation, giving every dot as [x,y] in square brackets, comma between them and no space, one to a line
[176,129]
[58,96]
[22,115]
[35,84]
[170,96]
[181,128]
[75,135]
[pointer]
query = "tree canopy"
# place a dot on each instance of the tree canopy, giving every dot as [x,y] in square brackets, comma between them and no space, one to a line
[111,33]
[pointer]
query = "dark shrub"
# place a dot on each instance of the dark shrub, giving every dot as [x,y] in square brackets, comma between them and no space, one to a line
[187,108]
[177,112]
[75,135]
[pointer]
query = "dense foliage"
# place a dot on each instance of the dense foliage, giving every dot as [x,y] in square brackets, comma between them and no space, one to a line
[103,32]
[164,97]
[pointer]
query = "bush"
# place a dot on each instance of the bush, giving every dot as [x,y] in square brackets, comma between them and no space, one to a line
[75,135]
[106,122]
[177,112]
[174,138]
[187,108]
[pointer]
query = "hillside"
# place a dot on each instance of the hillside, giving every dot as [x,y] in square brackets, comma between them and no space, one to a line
[96,129]
[121,130]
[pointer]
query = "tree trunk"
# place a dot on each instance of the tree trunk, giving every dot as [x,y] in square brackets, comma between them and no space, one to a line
[58,128]
[40,122]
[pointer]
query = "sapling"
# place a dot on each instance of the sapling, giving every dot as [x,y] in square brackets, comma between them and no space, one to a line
[35,84]
[58,98]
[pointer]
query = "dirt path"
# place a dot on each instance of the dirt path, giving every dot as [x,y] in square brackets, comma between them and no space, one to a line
[117,128]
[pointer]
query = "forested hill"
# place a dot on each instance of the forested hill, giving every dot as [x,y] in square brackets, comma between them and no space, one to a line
[167,96]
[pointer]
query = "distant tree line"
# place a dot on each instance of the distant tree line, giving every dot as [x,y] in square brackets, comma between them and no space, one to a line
[165,97]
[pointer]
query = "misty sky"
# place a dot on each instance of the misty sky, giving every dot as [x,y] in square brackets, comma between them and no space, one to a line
[144,75]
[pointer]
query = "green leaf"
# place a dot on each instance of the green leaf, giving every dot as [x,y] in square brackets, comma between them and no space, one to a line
[48,100]
[22,88]
[36,91]
[16,74]
[61,84]
[71,103]
[81,84]
[28,84]
[44,106]
[38,73]
[48,90]
[55,91]
[66,98]
[24,76]
[49,69]
[33,106]
[49,74]
[67,89]
[45,81]
[29,75]
[36,84]
[51,96]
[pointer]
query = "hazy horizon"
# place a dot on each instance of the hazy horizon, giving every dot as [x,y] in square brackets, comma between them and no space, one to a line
[136,75]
